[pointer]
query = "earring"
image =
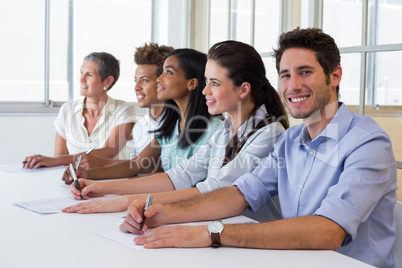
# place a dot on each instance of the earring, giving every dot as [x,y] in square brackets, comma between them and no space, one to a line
[104,88]
[189,89]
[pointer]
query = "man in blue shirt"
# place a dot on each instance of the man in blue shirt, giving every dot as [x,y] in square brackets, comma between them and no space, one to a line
[335,174]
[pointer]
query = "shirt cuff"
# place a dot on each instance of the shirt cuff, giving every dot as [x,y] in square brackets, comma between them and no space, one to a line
[253,191]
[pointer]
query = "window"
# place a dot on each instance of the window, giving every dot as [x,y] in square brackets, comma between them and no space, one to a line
[22,53]
[58,34]
[255,22]
[114,26]
[371,49]
[76,28]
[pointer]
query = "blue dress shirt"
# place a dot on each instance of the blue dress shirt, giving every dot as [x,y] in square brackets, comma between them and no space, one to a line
[346,174]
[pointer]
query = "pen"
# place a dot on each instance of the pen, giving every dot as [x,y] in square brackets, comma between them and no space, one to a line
[72,171]
[147,204]
[90,150]
[25,161]
[78,162]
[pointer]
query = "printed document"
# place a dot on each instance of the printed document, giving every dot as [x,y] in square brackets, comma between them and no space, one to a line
[127,239]
[50,205]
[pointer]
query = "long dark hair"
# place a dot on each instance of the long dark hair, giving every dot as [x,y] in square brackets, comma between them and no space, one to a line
[244,64]
[193,63]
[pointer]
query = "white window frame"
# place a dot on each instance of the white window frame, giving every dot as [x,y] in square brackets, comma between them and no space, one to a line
[178,31]
[315,15]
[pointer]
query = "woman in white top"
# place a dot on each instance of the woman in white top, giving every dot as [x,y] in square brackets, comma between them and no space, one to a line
[94,121]
[149,59]
[185,121]
[237,85]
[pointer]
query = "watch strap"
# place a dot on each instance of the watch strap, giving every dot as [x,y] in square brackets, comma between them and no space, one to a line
[216,240]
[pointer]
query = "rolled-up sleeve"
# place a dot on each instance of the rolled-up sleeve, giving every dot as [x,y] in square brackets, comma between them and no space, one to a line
[259,186]
[191,170]
[365,174]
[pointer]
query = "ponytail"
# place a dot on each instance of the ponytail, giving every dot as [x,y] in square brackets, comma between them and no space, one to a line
[275,113]
[273,104]
[243,64]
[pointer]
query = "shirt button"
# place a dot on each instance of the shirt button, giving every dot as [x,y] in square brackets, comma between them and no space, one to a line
[300,186]
[310,153]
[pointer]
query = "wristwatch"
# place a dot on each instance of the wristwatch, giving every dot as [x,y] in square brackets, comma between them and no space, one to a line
[215,229]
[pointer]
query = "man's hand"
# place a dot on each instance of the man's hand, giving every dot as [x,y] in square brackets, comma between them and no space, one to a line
[154,217]
[178,236]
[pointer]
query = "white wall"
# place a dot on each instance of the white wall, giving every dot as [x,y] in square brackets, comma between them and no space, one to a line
[22,135]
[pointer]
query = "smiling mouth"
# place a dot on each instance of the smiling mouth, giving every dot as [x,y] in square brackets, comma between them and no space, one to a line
[296,100]
[159,88]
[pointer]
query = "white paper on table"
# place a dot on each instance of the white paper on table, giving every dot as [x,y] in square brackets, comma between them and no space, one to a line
[18,168]
[50,205]
[127,239]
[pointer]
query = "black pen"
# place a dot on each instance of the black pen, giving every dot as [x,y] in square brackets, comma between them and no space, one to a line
[147,204]
[72,171]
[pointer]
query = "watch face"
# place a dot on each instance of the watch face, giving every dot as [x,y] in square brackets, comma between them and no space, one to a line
[215,227]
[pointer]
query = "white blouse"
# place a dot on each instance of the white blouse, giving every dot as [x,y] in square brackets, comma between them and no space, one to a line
[70,124]
[141,135]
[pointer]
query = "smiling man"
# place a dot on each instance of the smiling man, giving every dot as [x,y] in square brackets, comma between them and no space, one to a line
[335,193]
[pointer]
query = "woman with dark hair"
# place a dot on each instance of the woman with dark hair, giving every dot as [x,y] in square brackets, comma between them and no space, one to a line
[236,85]
[149,59]
[177,144]
[94,121]
[185,121]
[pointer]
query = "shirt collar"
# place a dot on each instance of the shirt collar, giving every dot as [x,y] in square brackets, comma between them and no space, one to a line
[150,120]
[110,105]
[248,125]
[336,129]
[80,105]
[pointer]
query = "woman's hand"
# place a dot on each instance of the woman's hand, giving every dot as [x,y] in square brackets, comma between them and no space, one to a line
[38,160]
[80,172]
[91,161]
[88,189]
[106,205]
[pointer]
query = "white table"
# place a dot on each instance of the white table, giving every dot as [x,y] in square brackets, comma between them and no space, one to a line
[29,239]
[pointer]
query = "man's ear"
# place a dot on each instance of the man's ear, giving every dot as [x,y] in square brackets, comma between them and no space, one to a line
[336,76]
[244,90]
